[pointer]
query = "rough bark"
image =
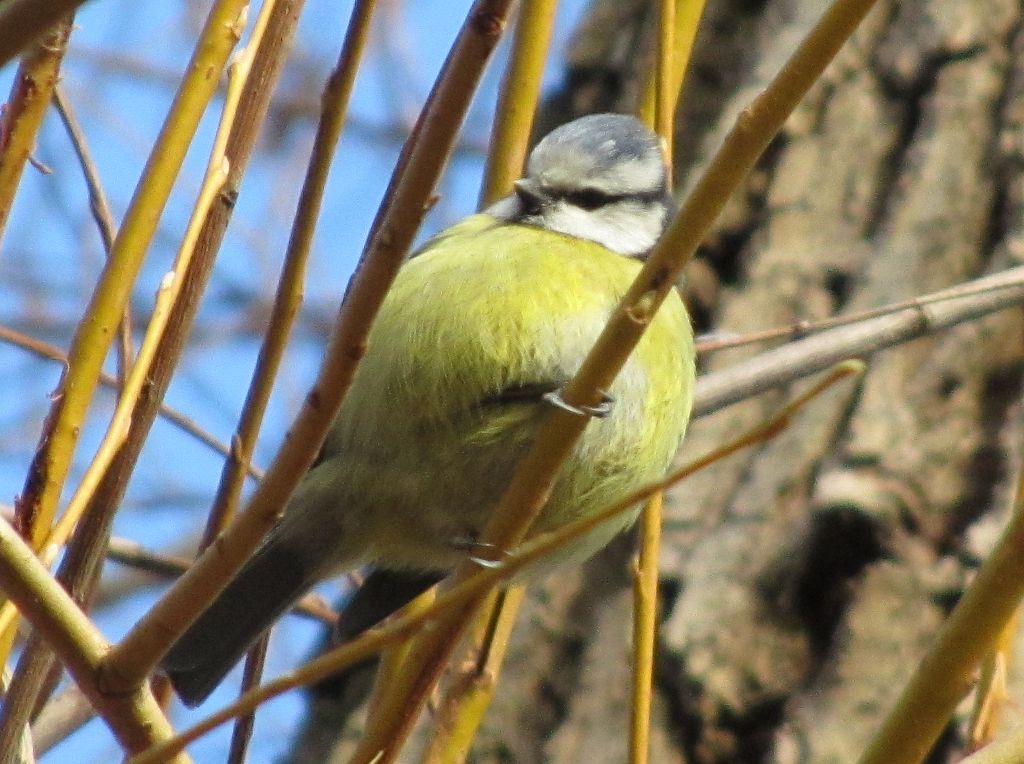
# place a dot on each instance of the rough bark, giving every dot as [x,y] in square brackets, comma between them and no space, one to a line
[804,578]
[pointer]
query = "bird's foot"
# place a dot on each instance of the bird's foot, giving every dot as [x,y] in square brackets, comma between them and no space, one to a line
[600,411]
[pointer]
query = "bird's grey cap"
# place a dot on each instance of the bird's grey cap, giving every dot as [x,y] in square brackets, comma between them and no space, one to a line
[617,150]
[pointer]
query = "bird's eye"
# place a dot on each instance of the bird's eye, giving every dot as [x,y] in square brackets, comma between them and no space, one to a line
[588,198]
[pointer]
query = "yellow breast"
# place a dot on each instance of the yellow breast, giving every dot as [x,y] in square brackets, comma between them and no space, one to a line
[485,307]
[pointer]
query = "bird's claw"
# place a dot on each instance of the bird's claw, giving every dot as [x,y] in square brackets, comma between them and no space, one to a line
[598,411]
[480,548]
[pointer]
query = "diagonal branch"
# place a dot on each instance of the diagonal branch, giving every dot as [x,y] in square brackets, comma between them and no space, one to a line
[135,718]
[798,359]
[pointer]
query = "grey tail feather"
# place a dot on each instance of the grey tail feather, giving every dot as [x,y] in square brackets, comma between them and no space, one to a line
[264,588]
[382,593]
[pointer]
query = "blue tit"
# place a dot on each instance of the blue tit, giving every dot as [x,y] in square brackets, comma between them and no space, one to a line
[480,330]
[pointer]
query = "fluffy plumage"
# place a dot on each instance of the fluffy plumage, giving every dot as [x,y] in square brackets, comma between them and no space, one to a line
[489,315]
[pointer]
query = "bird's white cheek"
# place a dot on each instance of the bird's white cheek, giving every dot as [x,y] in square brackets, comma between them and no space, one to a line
[627,229]
[570,220]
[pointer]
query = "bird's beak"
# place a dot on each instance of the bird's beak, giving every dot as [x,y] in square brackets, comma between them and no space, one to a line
[531,196]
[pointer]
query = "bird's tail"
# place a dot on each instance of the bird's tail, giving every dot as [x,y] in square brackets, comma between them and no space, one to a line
[263,589]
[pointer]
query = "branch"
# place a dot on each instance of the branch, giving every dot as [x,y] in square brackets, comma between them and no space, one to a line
[60,718]
[517,99]
[798,359]
[101,213]
[946,673]
[135,718]
[25,108]
[185,424]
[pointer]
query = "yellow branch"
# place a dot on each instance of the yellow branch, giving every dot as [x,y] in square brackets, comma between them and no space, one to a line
[287,301]
[517,99]
[645,622]
[289,294]
[470,689]
[945,674]
[135,718]
[677,31]
[991,694]
[95,333]
[33,87]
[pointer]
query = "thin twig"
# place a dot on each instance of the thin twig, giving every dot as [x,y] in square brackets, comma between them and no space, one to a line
[716,341]
[645,623]
[241,734]
[517,99]
[101,213]
[658,110]
[991,693]
[135,555]
[60,718]
[49,469]
[928,314]
[470,688]
[185,424]
[1009,750]
[287,302]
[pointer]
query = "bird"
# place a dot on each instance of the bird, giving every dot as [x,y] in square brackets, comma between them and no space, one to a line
[481,329]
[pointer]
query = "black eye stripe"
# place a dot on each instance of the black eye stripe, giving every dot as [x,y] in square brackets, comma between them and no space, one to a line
[588,198]
[591,198]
